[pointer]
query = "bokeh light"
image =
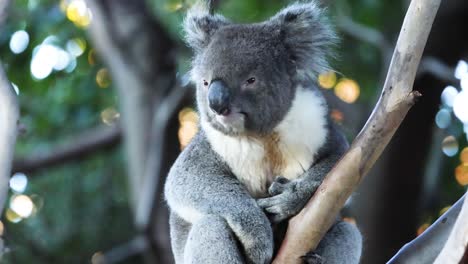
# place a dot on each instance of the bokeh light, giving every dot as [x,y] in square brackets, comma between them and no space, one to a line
[422,228]
[450,146]
[48,57]
[109,116]
[175,6]
[464,82]
[76,47]
[461,174]
[337,115]
[71,66]
[21,205]
[464,156]
[18,182]
[460,106]
[98,258]
[92,57]
[78,13]
[38,202]
[327,80]
[443,118]
[19,41]
[347,90]
[461,69]
[103,78]
[448,95]
[12,216]
[443,210]
[15,87]
[188,120]
[2,228]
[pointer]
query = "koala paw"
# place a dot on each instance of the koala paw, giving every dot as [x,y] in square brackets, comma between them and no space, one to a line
[312,258]
[287,198]
[254,232]
[259,255]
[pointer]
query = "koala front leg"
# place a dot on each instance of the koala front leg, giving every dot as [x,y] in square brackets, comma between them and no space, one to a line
[342,244]
[199,198]
[288,197]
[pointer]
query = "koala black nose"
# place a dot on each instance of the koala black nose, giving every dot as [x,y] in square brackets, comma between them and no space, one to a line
[219,97]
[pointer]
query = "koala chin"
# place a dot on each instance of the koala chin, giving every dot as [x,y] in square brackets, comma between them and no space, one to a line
[265,142]
[230,125]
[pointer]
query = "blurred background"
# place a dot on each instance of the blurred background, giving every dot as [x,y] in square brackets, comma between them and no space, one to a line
[71,199]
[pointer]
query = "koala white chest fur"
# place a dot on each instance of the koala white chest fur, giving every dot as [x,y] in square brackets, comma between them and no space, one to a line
[288,152]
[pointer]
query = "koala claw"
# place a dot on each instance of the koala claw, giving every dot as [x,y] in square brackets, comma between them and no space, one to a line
[276,207]
[287,198]
[278,186]
[312,258]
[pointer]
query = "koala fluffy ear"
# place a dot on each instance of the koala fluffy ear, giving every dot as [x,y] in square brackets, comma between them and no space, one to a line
[199,26]
[307,35]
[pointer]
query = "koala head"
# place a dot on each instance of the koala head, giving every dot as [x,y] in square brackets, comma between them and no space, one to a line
[247,74]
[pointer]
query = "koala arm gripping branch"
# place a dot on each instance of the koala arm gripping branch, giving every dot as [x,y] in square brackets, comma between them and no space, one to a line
[288,197]
[200,187]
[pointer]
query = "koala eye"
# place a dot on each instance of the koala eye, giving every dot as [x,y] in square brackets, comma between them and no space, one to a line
[251,80]
[205,83]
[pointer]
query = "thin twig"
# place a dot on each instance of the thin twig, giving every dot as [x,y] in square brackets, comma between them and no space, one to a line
[374,37]
[135,246]
[438,69]
[77,148]
[149,197]
[365,34]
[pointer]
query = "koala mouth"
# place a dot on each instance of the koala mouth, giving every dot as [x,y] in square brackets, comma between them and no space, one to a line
[231,119]
[231,124]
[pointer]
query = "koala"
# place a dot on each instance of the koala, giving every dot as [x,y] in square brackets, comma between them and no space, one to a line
[265,141]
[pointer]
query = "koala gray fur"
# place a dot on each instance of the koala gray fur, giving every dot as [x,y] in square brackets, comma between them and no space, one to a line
[265,141]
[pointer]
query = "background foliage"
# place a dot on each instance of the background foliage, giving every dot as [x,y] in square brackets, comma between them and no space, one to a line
[81,207]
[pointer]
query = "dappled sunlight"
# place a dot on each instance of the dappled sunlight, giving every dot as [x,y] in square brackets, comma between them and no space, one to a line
[103,79]
[109,116]
[461,174]
[188,120]
[77,12]
[347,90]
[450,146]
[22,205]
[49,56]
[327,80]
[18,182]
[19,41]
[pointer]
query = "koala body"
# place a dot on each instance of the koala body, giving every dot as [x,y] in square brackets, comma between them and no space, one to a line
[265,141]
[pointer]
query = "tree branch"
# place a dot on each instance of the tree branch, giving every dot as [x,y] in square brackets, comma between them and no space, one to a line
[426,247]
[9,115]
[140,57]
[135,246]
[457,243]
[438,69]
[307,228]
[79,147]
[367,34]
[4,4]
[149,197]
